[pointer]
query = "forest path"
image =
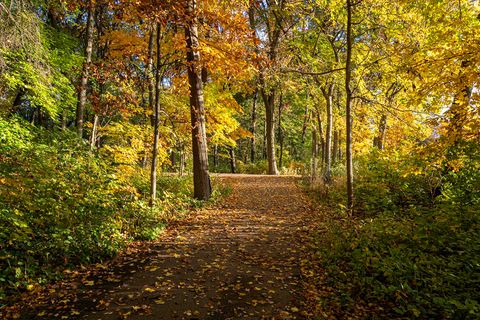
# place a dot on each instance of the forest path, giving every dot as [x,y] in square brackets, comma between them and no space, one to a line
[241,259]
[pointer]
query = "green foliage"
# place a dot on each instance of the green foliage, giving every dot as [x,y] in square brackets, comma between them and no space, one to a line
[259,167]
[388,184]
[60,204]
[415,255]
[45,77]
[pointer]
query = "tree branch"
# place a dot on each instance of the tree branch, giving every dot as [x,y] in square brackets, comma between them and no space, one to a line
[312,73]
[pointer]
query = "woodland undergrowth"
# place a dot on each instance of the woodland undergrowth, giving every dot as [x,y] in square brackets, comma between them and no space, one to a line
[411,248]
[62,205]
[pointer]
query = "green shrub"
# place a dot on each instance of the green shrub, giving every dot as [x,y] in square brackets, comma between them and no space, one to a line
[414,255]
[61,204]
[259,167]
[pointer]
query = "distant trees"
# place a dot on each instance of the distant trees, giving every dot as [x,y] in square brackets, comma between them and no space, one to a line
[258,81]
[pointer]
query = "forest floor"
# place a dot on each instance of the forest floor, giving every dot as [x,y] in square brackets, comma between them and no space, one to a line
[248,257]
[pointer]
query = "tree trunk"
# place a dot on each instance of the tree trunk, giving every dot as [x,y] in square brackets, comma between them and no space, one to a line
[306,119]
[328,94]
[201,177]
[181,169]
[156,137]
[348,107]
[82,92]
[335,147]
[269,100]
[340,150]
[64,120]
[233,162]
[254,127]
[314,161]
[215,156]
[280,130]
[382,131]
[264,147]
[151,78]
[320,133]
[173,160]
[93,136]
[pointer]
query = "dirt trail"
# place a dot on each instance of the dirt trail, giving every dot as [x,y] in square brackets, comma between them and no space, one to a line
[239,260]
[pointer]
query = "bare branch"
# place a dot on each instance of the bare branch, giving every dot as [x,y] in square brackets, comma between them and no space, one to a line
[312,73]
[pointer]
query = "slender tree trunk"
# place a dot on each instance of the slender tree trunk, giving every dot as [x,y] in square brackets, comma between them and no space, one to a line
[93,136]
[182,161]
[280,131]
[348,118]
[269,100]
[328,94]
[459,109]
[215,156]
[382,131]
[264,147]
[173,160]
[254,127]
[201,177]
[151,91]
[306,119]
[156,135]
[151,78]
[314,161]
[233,162]
[64,120]
[320,133]
[251,18]
[340,150]
[82,92]
[335,146]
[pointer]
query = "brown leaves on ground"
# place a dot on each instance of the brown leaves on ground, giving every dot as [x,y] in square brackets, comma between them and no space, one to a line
[247,258]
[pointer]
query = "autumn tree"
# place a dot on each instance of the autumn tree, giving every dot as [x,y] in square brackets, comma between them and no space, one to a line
[275,20]
[82,90]
[201,177]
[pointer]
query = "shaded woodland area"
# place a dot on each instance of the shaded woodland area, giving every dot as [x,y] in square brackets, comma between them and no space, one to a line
[114,114]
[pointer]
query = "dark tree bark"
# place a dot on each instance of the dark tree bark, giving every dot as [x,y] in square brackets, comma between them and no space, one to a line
[264,146]
[156,137]
[82,92]
[379,140]
[280,130]
[320,133]
[201,177]
[254,127]
[18,100]
[335,147]
[233,162]
[348,107]
[314,160]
